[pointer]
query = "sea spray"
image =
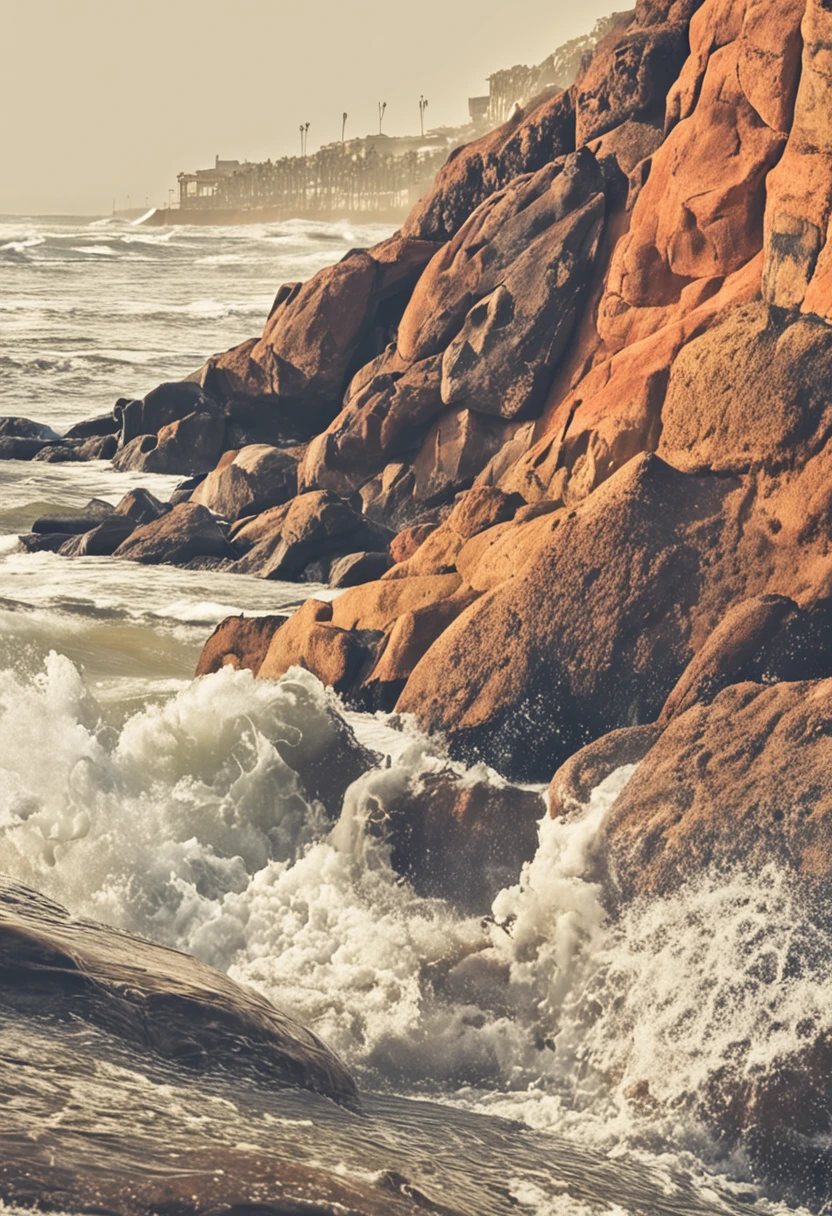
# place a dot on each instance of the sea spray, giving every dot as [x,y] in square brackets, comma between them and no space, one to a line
[185,823]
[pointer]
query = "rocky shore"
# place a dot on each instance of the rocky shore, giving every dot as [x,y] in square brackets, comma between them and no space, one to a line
[564,443]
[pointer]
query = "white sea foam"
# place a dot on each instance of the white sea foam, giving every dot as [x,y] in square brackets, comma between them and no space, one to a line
[183,823]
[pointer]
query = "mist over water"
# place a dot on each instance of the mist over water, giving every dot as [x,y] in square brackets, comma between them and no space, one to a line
[167,807]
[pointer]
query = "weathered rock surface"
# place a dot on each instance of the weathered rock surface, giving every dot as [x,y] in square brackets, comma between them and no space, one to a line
[25,428]
[240,642]
[255,478]
[191,444]
[186,532]
[742,782]
[157,999]
[463,842]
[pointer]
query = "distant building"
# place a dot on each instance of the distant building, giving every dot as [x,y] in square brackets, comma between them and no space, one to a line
[478,108]
[205,183]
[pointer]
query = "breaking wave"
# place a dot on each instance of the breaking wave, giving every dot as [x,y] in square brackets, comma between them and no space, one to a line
[186,822]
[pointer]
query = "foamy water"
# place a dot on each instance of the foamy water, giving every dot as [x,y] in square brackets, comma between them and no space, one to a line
[135,795]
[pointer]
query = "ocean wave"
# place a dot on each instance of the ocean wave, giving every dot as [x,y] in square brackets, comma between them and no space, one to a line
[99,251]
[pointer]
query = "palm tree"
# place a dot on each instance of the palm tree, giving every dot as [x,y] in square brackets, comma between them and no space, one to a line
[343,125]
[423,105]
[382,106]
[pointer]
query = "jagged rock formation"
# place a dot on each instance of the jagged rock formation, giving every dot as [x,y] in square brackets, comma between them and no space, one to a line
[610,315]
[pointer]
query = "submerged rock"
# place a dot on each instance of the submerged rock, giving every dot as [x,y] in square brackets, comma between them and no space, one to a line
[156,999]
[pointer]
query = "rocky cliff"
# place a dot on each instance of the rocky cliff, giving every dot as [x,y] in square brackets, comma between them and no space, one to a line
[565,436]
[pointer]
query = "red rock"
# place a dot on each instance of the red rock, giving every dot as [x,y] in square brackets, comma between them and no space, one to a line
[744,780]
[240,642]
[407,542]
[572,785]
[456,448]
[750,391]
[338,657]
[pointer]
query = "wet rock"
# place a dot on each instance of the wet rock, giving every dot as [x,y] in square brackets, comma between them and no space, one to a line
[73,523]
[462,841]
[185,489]
[101,541]
[240,642]
[255,478]
[40,542]
[101,425]
[156,999]
[339,657]
[14,448]
[743,781]
[25,428]
[590,635]
[186,532]
[62,452]
[358,568]
[573,783]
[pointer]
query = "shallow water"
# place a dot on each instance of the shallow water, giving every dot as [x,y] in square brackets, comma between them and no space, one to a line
[133,794]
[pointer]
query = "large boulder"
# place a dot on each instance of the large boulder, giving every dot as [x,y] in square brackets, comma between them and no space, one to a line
[240,642]
[165,404]
[319,332]
[188,531]
[463,841]
[24,428]
[255,478]
[590,635]
[752,390]
[158,1000]
[744,781]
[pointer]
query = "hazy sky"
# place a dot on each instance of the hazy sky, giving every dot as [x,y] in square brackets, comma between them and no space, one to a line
[101,99]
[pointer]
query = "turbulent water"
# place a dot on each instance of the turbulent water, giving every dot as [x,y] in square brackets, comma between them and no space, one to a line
[562,1054]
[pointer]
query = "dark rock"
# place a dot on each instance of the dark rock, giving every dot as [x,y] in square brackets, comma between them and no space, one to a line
[164,405]
[156,999]
[103,424]
[192,444]
[72,524]
[314,526]
[14,448]
[41,542]
[101,541]
[186,532]
[141,506]
[256,478]
[462,842]
[25,428]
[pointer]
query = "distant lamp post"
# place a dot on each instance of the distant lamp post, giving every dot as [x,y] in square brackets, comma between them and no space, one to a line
[423,105]
[382,107]
[343,126]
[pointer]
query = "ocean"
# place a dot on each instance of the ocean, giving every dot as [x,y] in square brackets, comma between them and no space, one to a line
[554,1057]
